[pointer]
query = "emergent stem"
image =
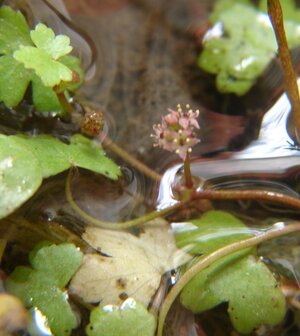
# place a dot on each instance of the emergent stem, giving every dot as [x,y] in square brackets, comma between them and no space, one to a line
[215,256]
[256,195]
[67,107]
[187,172]
[289,74]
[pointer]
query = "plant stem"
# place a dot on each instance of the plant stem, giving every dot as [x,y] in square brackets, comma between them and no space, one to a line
[118,225]
[67,107]
[256,195]
[289,74]
[131,160]
[187,172]
[215,256]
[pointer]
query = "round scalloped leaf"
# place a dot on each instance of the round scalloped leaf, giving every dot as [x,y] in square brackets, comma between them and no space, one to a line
[44,38]
[50,71]
[20,174]
[42,286]
[130,319]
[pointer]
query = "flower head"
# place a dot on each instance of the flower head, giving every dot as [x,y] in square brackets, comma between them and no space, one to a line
[175,133]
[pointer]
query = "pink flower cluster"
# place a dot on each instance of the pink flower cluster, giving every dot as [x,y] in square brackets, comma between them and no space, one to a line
[176,131]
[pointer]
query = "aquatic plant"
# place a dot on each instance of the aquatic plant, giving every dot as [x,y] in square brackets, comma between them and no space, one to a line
[176,134]
[211,254]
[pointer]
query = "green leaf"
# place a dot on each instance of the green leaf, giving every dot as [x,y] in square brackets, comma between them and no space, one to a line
[44,38]
[245,46]
[55,156]
[20,174]
[289,9]
[74,64]
[42,286]
[14,30]
[130,319]
[214,230]
[44,98]
[223,5]
[239,279]
[38,56]
[14,81]
[50,71]
[88,154]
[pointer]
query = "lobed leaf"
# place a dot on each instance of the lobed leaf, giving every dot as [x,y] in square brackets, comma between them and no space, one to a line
[51,72]
[42,286]
[45,39]
[130,319]
[240,279]
[133,267]
[242,45]
[25,160]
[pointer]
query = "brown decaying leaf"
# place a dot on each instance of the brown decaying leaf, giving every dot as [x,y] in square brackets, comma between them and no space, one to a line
[133,268]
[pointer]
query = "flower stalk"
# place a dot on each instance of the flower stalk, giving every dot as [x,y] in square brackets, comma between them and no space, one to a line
[176,133]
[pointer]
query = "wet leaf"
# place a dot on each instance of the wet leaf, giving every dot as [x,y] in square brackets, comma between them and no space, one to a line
[20,174]
[42,286]
[88,154]
[55,156]
[130,319]
[242,45]
[241,279]
[25,160]
[133,267]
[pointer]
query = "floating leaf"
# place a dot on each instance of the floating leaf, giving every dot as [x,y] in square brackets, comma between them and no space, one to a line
[42,286]
[240,45]
[240,279]
[25,160]
[88,154]
[130,319]
[134,266]
[20,174]
[55,156]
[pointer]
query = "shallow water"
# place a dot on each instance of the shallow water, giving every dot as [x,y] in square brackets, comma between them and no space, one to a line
[141,59]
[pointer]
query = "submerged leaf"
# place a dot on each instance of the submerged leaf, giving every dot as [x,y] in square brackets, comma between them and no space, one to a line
[240,279]
[42,286]
[130,319]
[240,45]
[133,267]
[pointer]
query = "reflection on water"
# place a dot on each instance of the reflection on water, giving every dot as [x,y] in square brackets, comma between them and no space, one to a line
[266,159]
